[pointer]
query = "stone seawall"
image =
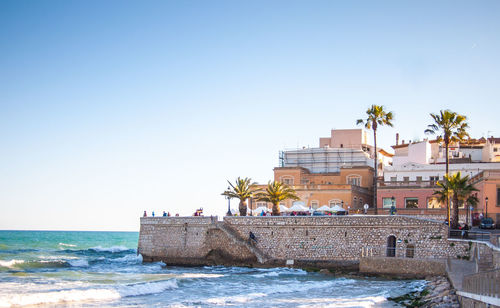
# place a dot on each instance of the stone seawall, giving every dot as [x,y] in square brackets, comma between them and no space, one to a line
[324,241]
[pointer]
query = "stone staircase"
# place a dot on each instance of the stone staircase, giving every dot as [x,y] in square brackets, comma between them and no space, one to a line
[235,236]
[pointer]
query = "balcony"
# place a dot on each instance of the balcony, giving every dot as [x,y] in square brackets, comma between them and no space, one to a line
[407,184]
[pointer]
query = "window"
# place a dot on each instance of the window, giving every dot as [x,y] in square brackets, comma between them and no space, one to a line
[261,204]
[334,202]
[387,203]
[495,149]
[433,203]
[410,251]
[287,180]
[394,179]
[304,181]
[314,204]
[411,203]
[354,180]
[498,197]
[406,179]
[419,179]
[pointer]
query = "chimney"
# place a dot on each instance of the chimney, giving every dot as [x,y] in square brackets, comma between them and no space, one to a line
[397,138]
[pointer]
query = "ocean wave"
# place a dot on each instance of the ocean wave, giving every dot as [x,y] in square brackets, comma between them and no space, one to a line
[367,301]
[237,299]
[199,275]
[46,262]
[10,263]
[112,249]
[67,245]
[132,258]
[79,295]
[78,263]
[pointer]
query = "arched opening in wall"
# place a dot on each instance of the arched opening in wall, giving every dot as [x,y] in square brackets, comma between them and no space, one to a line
[410,251]
[391,246]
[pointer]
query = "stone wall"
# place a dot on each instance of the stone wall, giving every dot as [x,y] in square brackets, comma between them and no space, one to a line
[403,267]
[301,240]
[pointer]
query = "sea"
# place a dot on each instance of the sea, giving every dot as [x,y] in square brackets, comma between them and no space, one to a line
[103,269]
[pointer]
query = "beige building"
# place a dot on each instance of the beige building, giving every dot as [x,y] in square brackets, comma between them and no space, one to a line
[339,172]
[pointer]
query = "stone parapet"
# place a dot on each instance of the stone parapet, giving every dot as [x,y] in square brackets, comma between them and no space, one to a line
[293,240]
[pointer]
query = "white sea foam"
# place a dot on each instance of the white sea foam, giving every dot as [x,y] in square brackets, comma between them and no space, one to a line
[367,302]
[10,263]
[66,245]
[200,275]
[268,274]
[147,288]
[237,299]
[112,249]
[79,295]
[78,263]
[132,258]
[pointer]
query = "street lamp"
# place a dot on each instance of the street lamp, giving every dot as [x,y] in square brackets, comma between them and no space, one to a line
[228,204]
[393,206]
[486,199]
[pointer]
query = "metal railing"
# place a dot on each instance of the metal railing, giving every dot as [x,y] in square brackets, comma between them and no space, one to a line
[469,235]
[485,283]
[406,184]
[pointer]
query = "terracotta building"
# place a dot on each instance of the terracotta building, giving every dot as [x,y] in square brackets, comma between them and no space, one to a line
[339,172]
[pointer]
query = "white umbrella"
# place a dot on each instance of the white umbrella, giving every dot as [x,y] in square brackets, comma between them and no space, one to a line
[337,208]
[284,208]
[299,208]
[324,208]
[260,209]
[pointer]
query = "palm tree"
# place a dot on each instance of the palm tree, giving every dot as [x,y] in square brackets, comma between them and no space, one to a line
[376,116]
[242,190]
[459,189]
[451,127]
[275,193]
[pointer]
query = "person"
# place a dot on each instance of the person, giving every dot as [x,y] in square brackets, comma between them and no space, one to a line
[393,210]
[465,233]
[252,238]
[168,214]
[177,215]
[164,214]
[153,213]
[262,213]
[145,214]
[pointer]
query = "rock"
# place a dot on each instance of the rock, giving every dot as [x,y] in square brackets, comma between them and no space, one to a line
[325,271]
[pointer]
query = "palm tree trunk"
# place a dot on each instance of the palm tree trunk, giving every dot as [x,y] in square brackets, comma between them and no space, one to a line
[375,171]
[243,208]
[276,210]
[454,221]
[446,145]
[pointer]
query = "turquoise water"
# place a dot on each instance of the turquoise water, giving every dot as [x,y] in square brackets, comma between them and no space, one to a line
[102,269]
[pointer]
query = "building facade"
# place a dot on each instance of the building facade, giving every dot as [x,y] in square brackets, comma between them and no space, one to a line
[338,172]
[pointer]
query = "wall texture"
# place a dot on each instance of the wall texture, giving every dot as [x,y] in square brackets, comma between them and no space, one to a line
[328,241]
[403,267]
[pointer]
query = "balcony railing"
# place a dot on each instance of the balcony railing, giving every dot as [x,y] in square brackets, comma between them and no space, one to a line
[407,184]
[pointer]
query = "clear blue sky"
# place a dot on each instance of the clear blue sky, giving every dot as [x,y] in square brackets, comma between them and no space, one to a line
[109,108]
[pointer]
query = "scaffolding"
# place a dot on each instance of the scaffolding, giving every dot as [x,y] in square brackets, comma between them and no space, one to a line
[325,160]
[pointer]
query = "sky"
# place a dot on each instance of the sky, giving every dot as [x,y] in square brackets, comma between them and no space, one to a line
[110,108]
